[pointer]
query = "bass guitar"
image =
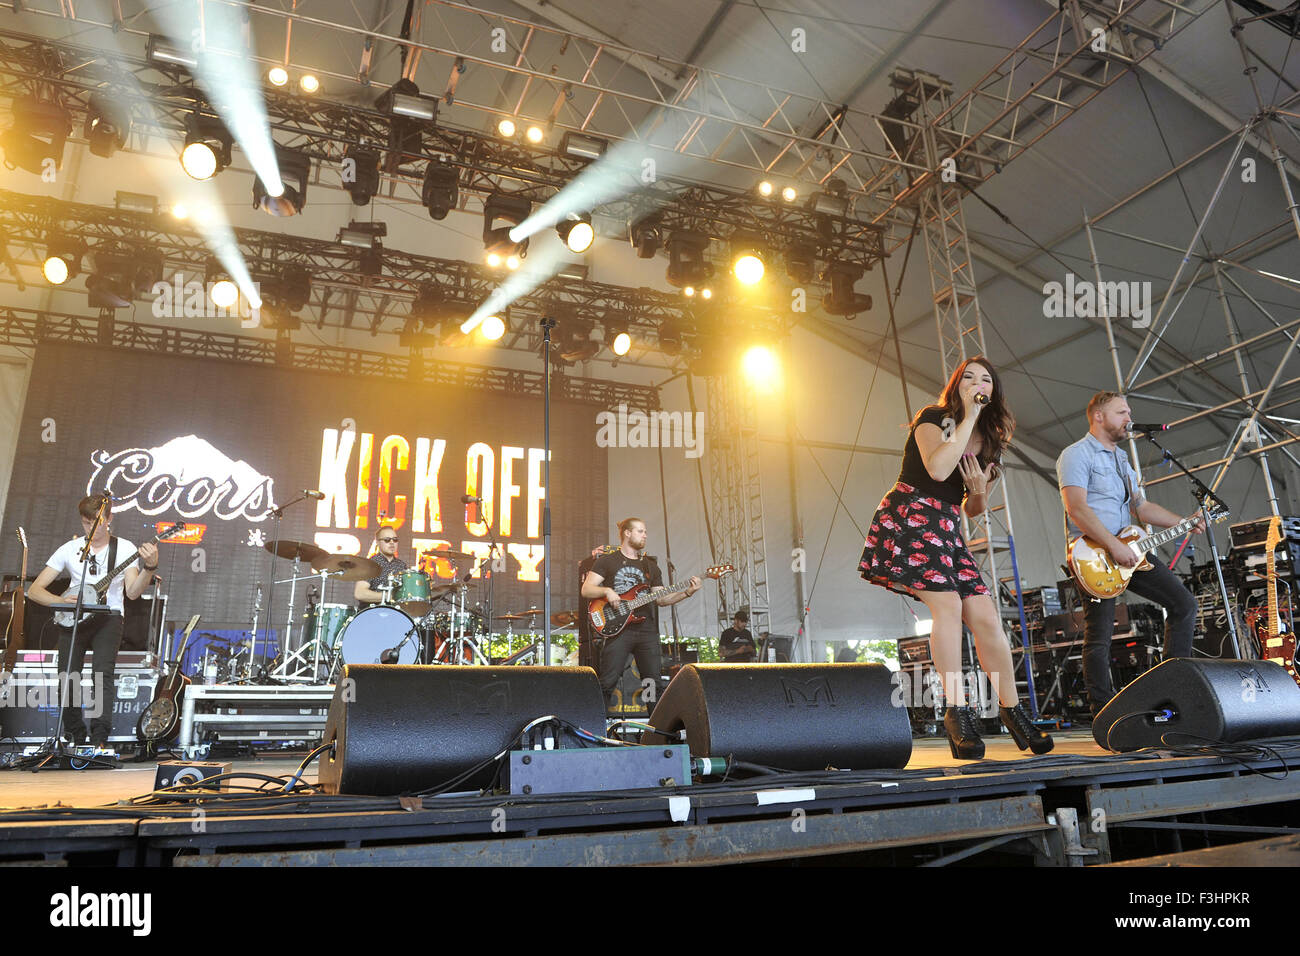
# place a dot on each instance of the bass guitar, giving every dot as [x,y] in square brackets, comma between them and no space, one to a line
[17,601]
[97,593]
[1275,645]
[607,620]
[161,719]
[1099,575]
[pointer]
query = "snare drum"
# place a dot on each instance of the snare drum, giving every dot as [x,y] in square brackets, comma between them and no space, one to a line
[366,636]
[411,591]
[331,619]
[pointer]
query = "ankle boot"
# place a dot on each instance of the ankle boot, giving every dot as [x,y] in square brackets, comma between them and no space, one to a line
[963,739]
[1023,731]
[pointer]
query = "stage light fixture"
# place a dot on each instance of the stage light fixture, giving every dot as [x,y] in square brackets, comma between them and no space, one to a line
[493,260]
[409,111]
[427,308]
[670,338]
[62,260]
[361,174]
[801,263]
[513,263]
[308,83]
[747,262]
[441,189]
[277,76]
[686,263]
[646,234]
[573,271]
[534,134]
[113,279]
[832,200]
[765,188]
[511,209]
[295,171]
[142,203]
[842,299]
[224,293]
[761,367]
[789,194]
[37,137]
[688,291]
[293,290]
[206,151]
[581,146]
[576,231]
[706,293]
[506,127]
[371,261]
[158,52]
[107,125]
[493,328]
[363,235]
[617,337]
[180,211]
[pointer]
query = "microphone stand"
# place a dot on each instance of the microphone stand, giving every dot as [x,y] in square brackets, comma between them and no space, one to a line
[547,323]
[57,751]
[1204,494]
[277,513]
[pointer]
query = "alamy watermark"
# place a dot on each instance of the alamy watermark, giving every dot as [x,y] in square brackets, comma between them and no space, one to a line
[179,299]
[46,694]
[1081,299]
[638,429]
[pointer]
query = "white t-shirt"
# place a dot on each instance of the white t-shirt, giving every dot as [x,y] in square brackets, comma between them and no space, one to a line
[67,560]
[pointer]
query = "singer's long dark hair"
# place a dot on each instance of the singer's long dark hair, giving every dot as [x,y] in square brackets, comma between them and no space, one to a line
[996,423]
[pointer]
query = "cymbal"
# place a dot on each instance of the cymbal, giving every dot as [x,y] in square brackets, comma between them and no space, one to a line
[513,617]
[453,585]
[350,567]
[295,549]
[564,618]
[438,553]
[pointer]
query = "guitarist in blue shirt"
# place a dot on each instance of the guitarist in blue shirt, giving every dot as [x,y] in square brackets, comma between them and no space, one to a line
[612,576]
[101,633]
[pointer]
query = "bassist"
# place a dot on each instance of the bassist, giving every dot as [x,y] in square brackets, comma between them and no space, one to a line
[1100,491]
[615,574]
[101,633]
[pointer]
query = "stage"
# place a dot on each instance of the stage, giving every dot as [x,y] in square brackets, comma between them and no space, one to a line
[1078,806]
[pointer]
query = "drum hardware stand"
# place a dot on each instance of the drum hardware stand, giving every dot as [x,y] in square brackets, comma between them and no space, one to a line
[252,644]
[277,513]
[1203,494]
[303,668]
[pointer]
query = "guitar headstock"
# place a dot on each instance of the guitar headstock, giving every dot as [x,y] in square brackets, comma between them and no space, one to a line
[1274,537]
[719,571]
[22,536]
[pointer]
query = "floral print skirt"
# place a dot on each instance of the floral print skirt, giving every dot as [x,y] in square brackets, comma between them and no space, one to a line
[915,544]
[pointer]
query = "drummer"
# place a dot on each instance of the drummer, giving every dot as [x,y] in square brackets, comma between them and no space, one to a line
[367,592]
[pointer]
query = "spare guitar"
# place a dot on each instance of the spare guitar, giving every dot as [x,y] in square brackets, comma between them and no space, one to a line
[1275,645]
[160,720]
[97,593]
[1096,571]
[607,620]
[17,602]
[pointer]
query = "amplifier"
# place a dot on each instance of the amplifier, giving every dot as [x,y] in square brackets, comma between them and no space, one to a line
[597,768]
[913,650]
[34,662]
[1253,534]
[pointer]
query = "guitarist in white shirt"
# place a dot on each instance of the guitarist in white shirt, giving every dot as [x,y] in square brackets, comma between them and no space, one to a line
[101,633]
[1100,492]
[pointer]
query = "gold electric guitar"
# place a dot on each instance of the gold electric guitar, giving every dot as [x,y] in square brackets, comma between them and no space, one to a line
[1096,571]
[1274,645]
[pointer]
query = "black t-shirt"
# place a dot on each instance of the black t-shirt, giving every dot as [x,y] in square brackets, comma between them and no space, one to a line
[622,573]
[386,567]
[913,472]
[733,639]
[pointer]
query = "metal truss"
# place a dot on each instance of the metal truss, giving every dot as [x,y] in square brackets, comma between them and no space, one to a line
[30,328]
[739,531]
[341,295]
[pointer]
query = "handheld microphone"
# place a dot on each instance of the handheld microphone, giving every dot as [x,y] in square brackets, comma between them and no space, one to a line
[1145,427]
[318,495]
[469,499]
[981,398]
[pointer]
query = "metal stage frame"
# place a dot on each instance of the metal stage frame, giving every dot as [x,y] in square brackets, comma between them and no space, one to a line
[1049,811]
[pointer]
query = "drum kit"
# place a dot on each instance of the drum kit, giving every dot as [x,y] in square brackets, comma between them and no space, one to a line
[419,619]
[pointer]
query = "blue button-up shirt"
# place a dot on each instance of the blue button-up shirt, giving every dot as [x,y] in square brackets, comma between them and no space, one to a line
[1100,471]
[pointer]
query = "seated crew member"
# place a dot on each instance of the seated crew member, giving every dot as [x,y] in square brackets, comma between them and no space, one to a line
[615,574]
[1101,494]
[102,632]
[736,645]
[367,592]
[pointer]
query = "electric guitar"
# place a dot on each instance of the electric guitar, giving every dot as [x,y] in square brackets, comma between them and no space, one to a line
[97,593]
[1096,571]
[17,604]
[1274,645]
[607,620]
[160,720]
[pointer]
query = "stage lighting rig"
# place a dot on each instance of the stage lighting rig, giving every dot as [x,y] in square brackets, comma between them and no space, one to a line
[801,263]
[618,337]
[35,142]
[581,146]
[687,267]
[441,190]
[118,275]
[494,327]
[159,53]
[363,235]
[206,151]
[107,125]
[293,288]
[295,171]
[646,235]
[748,259]
[670,338]
[576,231]
[62,259]
[361,174]
[409,111]
[842,299]
[496,239]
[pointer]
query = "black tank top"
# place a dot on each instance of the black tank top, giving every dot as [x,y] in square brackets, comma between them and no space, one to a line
[952,490]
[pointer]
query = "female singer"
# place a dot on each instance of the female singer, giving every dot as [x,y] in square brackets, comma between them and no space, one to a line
[915,546]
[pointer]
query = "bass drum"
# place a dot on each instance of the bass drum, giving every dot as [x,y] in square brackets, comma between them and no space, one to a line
[375,630]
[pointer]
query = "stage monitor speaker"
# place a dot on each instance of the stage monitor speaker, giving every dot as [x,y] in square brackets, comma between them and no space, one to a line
[401,729]
[1189,701]
[788,716]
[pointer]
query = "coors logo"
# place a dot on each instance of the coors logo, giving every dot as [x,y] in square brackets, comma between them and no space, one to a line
[186,474]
